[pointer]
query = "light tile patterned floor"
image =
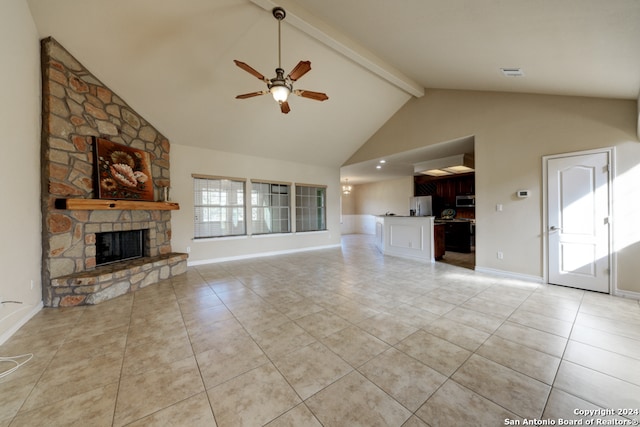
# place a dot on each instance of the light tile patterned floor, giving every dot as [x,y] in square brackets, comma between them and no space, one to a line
[338,337]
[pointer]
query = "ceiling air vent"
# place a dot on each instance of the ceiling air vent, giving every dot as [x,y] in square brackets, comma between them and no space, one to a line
[512,72]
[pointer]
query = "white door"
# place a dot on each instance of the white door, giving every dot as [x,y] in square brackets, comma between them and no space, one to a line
[578,221]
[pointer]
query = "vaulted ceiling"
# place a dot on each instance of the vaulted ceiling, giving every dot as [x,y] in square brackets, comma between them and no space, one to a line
[173,61]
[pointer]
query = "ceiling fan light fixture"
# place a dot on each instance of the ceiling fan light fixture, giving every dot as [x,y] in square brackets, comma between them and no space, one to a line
[280,93]
[281,86]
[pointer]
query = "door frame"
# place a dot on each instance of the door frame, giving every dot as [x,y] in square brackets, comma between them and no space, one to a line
[610,151]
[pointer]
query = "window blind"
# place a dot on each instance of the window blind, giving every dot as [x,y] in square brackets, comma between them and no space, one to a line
[310,208]
[218,207]
[270,208]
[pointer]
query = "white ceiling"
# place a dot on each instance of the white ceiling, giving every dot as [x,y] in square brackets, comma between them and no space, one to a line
[172,61]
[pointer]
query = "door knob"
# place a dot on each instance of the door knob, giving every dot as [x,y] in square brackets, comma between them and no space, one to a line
[554,228]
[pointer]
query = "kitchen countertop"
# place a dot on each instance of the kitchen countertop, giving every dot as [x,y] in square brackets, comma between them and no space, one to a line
[435,219]
[404,216]
[444,221]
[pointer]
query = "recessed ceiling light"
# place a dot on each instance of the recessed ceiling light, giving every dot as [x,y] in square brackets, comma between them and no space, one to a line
[383,161]
[458,169]
[378,167]
[512,72]
[437,172]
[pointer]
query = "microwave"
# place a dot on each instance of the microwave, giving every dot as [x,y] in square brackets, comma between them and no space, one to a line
[468,201]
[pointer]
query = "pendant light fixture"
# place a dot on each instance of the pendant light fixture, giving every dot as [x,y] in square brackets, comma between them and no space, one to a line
[346,188]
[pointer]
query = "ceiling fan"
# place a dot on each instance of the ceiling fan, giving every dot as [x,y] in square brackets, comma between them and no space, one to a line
[281,86]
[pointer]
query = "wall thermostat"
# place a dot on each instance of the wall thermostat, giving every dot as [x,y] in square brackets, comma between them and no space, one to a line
[522,193]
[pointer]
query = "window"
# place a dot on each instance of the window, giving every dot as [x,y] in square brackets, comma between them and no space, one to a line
[311,213]
[270,208]
[218,206]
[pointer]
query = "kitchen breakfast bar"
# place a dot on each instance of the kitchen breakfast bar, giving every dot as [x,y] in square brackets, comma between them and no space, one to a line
[406,236]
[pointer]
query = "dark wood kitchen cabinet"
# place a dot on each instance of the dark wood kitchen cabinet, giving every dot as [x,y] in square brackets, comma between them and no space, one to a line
[466,185]
[445,189]
[457,236]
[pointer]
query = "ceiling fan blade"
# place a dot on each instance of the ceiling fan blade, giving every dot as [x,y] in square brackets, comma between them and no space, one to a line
[318,96]
[251,95]
[300,70]
[250,70]
[284,107]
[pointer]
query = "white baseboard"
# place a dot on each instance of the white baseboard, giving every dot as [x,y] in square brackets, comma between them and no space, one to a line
[617,292]
[24,319]
[258,255]
[511,274]
[627,294]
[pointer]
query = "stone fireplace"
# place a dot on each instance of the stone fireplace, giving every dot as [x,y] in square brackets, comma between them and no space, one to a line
[76,108]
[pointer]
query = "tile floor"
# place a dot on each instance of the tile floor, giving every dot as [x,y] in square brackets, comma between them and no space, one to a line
[328,338]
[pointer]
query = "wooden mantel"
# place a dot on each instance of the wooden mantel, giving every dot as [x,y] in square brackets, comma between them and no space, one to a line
[104,204]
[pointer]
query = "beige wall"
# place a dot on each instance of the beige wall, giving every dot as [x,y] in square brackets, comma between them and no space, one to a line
[381,197]
[349,202]
[186,161]
[20,226]
[512,133]
[367,200]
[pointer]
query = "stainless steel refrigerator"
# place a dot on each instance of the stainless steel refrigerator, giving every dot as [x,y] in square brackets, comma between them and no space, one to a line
[421,206]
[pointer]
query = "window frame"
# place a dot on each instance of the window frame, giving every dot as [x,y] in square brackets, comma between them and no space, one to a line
[320,210]
[280,207]
[236,210]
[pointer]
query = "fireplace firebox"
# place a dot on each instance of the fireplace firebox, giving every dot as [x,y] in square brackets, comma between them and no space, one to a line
[119,246]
